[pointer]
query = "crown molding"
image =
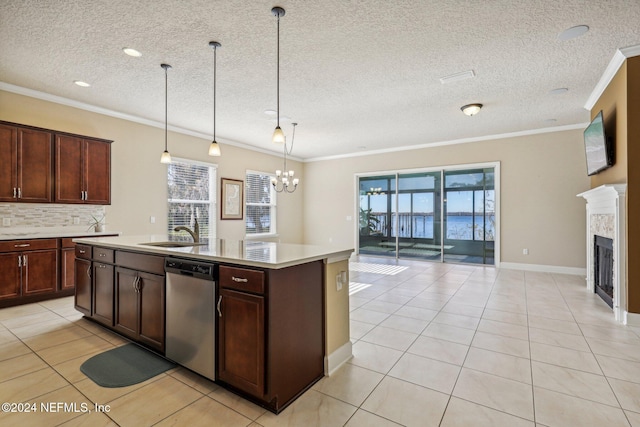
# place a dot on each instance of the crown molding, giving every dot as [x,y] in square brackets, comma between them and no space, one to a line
[616,62]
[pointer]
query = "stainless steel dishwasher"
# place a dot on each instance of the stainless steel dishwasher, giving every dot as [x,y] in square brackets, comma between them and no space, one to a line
[190,307]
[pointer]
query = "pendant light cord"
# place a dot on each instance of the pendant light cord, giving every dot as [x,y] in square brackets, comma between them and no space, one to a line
[278,72]
[166,103]
[215,50]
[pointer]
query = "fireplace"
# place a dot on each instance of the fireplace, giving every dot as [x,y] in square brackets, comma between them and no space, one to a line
[603,268]
[606,258]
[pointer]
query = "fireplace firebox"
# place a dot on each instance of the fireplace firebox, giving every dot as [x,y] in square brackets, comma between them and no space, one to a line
[603,268]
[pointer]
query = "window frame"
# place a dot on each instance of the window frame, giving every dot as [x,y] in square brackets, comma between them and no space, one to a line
[273,232]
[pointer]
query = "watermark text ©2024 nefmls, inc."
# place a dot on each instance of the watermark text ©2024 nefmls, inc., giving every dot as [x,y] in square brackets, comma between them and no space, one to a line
[52,407]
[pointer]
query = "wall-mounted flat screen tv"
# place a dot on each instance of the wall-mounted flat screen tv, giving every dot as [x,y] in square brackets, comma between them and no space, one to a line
[598,147]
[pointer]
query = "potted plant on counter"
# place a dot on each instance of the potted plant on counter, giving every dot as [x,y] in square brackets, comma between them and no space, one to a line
[97,224]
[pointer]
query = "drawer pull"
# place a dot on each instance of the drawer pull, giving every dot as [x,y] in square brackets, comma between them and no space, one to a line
[82,251]
[239,279]
[103,255]
[23,245]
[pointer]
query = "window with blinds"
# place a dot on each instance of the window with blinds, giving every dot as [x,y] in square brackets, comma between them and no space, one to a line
[260,204]
[191,192]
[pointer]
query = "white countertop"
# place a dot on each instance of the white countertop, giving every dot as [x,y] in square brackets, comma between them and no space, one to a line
[51,234]
[242,252]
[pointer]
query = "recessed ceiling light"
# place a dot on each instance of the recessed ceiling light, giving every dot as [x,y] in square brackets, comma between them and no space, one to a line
[559,91]
[457,77]
[131,52]
[81,83]
[270,112]
[573,32]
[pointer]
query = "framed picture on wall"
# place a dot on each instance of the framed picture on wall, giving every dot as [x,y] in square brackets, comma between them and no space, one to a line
[232,198]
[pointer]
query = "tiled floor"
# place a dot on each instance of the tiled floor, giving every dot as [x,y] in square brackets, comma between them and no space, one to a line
[434,345]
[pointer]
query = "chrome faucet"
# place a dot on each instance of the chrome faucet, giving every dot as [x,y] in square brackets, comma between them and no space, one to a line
[195,233]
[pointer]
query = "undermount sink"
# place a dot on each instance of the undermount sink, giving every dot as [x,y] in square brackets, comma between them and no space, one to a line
[172,244]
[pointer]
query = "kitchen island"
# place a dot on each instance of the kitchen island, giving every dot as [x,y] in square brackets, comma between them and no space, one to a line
[282,310]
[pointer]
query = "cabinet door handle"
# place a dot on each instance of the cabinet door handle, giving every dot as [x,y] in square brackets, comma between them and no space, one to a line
[239,279]
[24,260]
[86,195]
[135,284]
[89,272]
[19,261]
[218,306]
[15,193]
[19,193]
[22,245]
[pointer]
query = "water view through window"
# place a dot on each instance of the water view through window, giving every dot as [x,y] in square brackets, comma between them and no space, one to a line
[441,215]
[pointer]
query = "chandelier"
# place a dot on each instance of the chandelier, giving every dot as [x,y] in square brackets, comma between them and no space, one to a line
[284,180]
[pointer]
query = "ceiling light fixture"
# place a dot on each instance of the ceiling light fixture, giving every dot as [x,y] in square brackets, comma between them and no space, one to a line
[81,83]
[281,181]
[573,32]
[131,52]
[471,109]
[166,157]
[214,148]
[278,134]
[558,91]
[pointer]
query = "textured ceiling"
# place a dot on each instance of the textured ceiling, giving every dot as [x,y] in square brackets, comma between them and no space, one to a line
[356,75]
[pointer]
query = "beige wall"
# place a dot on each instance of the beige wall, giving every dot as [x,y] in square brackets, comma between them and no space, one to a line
[138,183]
[540,178]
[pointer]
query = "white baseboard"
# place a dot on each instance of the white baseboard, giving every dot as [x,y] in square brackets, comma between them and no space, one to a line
[338,358]
[632,319]
[544,268]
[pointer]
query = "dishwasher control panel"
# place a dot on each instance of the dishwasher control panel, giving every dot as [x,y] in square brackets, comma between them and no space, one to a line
[199,269]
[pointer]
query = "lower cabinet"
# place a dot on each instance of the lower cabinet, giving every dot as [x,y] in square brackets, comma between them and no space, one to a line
[28,269]
[83,298]
[139,306]
[103,276]
[241,348]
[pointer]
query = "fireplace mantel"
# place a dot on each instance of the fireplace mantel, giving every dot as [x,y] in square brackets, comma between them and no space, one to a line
[604,202]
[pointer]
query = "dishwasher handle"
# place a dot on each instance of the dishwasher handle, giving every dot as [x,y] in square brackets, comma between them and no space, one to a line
[218,306]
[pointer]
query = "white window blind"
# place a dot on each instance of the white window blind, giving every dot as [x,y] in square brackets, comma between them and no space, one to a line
[191,191]
[260,200]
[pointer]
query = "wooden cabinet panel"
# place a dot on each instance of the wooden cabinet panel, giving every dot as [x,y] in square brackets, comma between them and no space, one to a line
[241,341]
[83,170]
[26,156]
[35,165]
[242,279]
[97,171]
[67,269]
[103,285]
[83,296]
[40,271]
[126,302]
[69,176]
[9,162]
[152,309]
[9,275]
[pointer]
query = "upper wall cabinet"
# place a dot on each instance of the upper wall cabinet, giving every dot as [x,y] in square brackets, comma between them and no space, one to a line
[83,170]
[26,156]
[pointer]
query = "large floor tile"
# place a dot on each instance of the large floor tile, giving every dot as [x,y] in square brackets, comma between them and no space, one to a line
[505,316]
[388,337]
[572,382]
[375,357]
[560,410]
[366,419]
[406,403]
[31,385]
[73,349]
[426,372]
[501,344]
[620,368]
[512,397]
[406,324]
[500,364]
[312,409]
[458,320]
[359,329]
[615,349]
[628,394]
[438,349]
[559,339]
[368,316]
[20,365]
[205,412]
[504,329]
[449,333]
[462,413]
[351,384]
[559,356]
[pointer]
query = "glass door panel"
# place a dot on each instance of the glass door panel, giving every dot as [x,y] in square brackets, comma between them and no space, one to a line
[377,207]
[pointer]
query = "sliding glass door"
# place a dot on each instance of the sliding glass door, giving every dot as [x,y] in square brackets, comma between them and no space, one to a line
[404,215]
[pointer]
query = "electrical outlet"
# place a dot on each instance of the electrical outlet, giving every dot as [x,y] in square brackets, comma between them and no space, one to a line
[76,220]
[6,222]
[152,219]
[525,251]
[338,282]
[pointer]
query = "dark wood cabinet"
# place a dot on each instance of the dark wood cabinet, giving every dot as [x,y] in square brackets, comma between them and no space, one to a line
[26,156]
[241,334]
[140,298]
[28,268]
[270,331]
[83,294]
[103,276]
[83,170]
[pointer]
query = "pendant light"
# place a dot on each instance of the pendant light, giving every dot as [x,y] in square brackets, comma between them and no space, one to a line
[166,157]
[278,135]
[214,148]
[284,180]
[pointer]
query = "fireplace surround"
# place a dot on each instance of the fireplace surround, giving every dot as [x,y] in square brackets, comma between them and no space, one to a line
[606,208]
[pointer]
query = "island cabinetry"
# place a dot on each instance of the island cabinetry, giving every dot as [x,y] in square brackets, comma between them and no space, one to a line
[103,272]
[83,170]
[26,156]
[28,267]
[140,298]
[82,274]
[270,331]
[241,329]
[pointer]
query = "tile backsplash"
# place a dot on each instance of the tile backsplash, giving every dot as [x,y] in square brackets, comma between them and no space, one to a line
[43,216]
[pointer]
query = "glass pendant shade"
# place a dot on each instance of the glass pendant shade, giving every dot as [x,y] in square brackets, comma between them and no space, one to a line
[165,158]
[278,136]
[214,149]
